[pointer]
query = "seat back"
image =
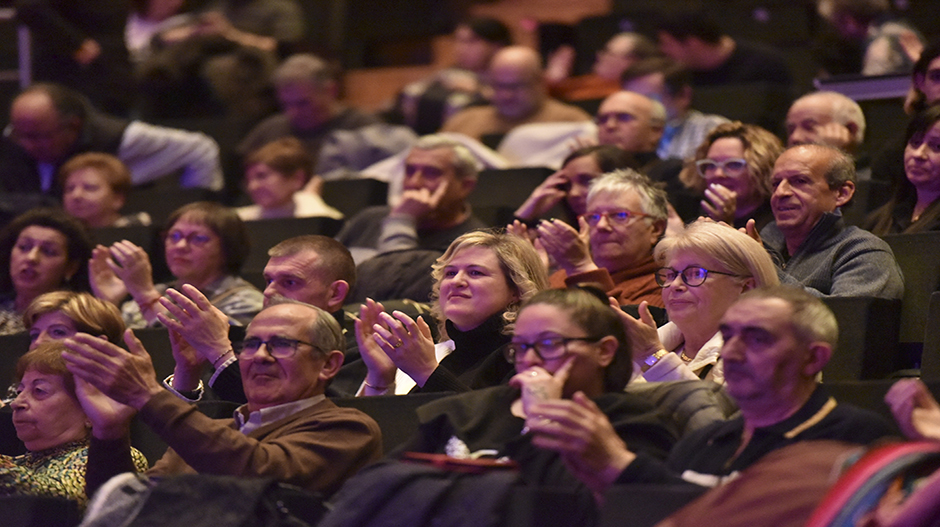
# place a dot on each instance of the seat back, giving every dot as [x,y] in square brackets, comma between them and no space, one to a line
[498,193]
[918,255]
[930,358]
[349,196]
[395,414]
[264,234]
[868,337]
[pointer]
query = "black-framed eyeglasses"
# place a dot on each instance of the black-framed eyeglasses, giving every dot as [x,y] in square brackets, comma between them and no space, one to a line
[732,167]
[278,347]
[614,217]
[549,348]
[692,276]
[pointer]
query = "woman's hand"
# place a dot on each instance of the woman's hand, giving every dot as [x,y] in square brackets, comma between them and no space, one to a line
[545,196]
[104,282]
[132,265]
[915,409]
[109,418]
[408,344]
[566,246]
[585,439]
[517,228]
[720,203]
[538,384]
[642,334]
[381,369]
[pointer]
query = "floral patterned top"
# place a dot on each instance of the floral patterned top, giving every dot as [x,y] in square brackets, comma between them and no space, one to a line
[57,471]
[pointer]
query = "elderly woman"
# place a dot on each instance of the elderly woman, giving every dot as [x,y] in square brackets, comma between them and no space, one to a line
[704,270]
[50,419]
[205,245]
[732,170]
[915,202]
[479,283]
[94,187]
[625,217]
[47,250]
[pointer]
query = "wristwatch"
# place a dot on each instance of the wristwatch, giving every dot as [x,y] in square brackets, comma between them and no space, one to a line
[654,358]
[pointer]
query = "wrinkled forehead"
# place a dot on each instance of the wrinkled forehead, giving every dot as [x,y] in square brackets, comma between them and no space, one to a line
[290,319]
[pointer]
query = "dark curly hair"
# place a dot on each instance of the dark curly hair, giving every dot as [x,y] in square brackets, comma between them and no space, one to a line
[78,244]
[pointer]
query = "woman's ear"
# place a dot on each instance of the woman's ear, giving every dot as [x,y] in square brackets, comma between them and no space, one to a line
[607,350]
[749,283]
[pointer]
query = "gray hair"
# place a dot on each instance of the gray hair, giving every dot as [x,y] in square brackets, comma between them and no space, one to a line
[653,199]
[843,110]
[812,320]
[303,67]
[323,331]
[465,164]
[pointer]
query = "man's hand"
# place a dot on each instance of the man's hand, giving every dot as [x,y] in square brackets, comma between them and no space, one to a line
[125,376]
[915,409]
[567,247]
[834,134]
[203,325]
[419,203]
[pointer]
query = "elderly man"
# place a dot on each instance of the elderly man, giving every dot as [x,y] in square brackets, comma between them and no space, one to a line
[626,216]
[519,96]
[50,123]
[828,118]
[288,430]
[776,341]
[671,84]
[313,269]
[433,209]
[307,91]
[808,240]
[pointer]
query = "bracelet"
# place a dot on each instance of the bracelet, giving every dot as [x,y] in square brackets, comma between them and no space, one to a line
[215,363]
[148,304]
[379,388]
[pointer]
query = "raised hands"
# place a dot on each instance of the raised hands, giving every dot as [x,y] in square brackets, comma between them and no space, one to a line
[720,203]
[109,418]
[407,343]
[567,247]
[381,369]
[642,334]
[545,196]
[538,384]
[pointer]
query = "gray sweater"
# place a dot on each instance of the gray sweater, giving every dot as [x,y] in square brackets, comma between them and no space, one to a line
[836,260]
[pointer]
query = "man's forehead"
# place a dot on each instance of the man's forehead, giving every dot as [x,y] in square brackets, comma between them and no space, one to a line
[800,160]
[282,319]
[34,106]
[438,157]
[627,102]
[767,313]
[299,263]
[817,109]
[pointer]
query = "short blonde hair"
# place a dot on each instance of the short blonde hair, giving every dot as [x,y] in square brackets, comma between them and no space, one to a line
[737,252]
[761,150]
[90,315]
[523,269]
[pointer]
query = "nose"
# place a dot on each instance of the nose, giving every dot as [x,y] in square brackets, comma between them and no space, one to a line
[921,151]
[33,254]
[675,282]
[528,359]
[19,403]
[732,350]
[43,337]
[782,189]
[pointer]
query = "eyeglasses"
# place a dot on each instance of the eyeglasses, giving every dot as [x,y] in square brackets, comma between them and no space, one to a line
[693,275]
[619,117]
[547,349]
[613,217]
[196,239]
[732,167]
[278,347]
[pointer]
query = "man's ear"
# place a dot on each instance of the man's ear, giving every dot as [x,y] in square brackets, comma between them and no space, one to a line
[467,184]
[852,127]
[817,357]
[338,291]
[844,193]
[331,366]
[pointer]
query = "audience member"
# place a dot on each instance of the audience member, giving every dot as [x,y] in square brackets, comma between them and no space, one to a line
[81,45]
[915,202]
[568,187]
[693,39]
[57,315]
[519,96]
[569,351]
[864,38]
[624,219]
[308,92]
[705,269]
[479,284]
[670,83]
[47,250]
[810,243]
[275,179]
[776,342]
[50,414]
[312,269]
[433,210]
[731,169]
[205,245]
[288,430]
[828,118]
[147,20]
[621,52]
[49,124]
[94,188]
[426,104]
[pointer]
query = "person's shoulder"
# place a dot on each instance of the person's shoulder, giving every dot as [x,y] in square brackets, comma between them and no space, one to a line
[854,424]
[564,111]
[467,115]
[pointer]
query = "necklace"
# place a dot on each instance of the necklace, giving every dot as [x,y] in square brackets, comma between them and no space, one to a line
[685,357]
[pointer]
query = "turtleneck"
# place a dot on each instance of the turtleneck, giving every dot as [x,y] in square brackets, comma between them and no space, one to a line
[473,346]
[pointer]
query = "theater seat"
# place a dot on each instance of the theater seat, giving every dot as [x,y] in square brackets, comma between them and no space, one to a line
[868,338]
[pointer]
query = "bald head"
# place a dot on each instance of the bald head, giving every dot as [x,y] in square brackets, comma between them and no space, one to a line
[515,75]
[828,118]
[631,121]
[46,130]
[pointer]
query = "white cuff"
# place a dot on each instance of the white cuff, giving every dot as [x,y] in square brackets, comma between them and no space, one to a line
[168,384]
